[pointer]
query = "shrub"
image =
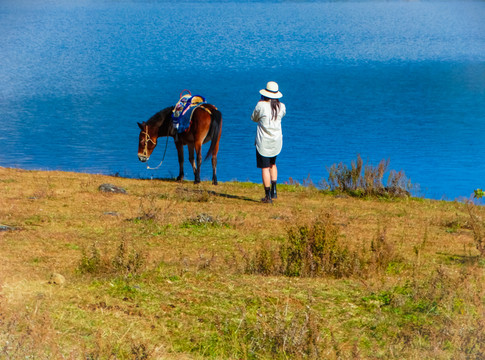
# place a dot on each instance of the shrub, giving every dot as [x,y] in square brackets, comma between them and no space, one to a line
[367,180]
[477,226]
[344,179]
[479,193]
[309,251]
[125,262]
[315,250]
[90,260]
[265,261]
[283,334]
[382,252]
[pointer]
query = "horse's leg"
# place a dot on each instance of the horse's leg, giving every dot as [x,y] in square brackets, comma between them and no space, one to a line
[214,161]
[215,150]
[192,158]
[180,152]
[198,152]
[214,169]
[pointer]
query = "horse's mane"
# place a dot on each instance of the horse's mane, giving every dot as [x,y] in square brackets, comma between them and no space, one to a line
[159,118]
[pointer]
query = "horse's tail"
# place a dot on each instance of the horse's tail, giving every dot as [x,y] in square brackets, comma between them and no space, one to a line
[214,130]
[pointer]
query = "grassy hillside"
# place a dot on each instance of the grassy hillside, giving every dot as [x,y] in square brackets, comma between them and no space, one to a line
[173,270]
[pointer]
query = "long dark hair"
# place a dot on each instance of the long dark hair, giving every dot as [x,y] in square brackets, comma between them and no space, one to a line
[275,106]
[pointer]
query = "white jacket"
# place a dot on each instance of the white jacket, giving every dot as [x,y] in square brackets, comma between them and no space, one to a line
[269,137]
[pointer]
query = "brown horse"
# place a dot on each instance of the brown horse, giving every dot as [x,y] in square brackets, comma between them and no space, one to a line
[206,125]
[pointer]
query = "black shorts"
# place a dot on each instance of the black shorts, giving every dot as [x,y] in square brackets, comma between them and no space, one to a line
[263,161]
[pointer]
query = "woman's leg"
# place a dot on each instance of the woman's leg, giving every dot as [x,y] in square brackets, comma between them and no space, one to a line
[274,177]
[273,171]
[265,164]
[265,174]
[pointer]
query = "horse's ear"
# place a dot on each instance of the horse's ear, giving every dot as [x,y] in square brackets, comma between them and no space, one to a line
[140,126]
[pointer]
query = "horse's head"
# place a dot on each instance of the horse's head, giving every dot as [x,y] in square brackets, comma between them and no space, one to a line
[147,141]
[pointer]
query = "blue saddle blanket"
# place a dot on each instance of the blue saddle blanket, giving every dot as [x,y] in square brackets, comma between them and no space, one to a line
[183,110]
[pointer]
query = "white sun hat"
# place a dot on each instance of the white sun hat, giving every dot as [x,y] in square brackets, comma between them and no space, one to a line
[271,91]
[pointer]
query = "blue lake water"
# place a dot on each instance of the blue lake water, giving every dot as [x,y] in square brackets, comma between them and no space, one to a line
[397,80]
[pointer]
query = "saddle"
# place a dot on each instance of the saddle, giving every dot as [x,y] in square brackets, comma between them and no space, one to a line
[184,108]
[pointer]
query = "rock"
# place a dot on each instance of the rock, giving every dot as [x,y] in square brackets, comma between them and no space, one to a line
[110,188]
[111,213]
[7,228]
[57,279]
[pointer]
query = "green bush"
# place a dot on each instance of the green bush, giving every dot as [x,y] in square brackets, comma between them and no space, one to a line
[90,260]
[283,334]
[309,251]
[478,228]
[125,262]
[315,250]
[479,193]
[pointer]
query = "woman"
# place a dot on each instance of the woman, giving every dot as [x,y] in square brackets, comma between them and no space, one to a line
[269,138]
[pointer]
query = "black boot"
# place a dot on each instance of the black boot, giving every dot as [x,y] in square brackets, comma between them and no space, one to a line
[267,198]
[274,194]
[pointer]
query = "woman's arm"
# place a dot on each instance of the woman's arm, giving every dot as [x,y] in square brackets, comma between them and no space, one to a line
[256,115]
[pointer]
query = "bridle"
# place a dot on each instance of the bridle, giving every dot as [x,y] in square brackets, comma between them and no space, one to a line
[147,139]
[145,150]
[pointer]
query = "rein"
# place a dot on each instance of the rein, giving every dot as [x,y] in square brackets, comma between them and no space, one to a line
[163,158]
[145,151]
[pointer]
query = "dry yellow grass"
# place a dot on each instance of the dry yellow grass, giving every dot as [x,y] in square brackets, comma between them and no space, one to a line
[189,296]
